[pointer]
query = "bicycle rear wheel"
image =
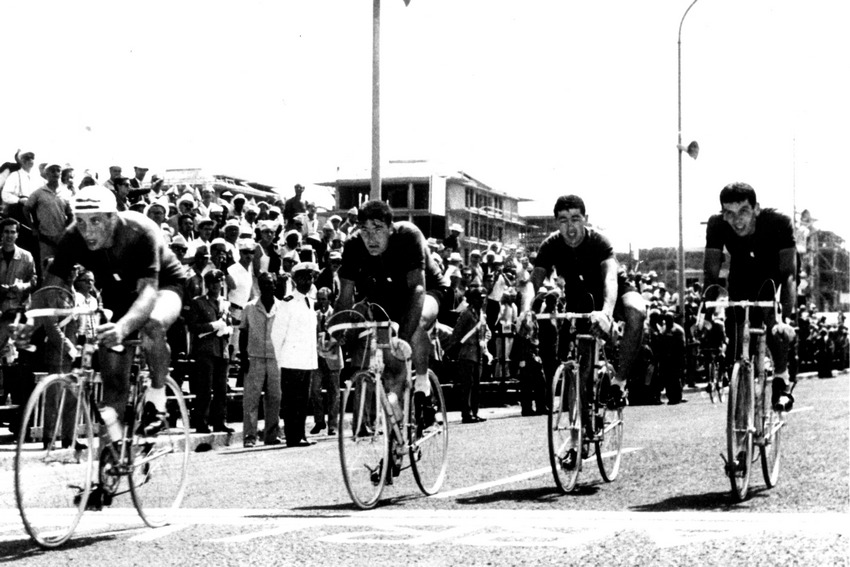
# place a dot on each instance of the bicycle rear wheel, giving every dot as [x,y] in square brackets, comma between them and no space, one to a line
[739,430]
[711,383]
[429,445]
[565,434]
[52,482]
[718,380]
[609,432]
[364,440]
[159,465]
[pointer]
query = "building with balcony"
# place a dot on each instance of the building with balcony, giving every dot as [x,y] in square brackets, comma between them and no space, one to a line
[434,198]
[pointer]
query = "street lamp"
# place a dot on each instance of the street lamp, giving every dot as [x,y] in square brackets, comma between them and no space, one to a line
[692,150]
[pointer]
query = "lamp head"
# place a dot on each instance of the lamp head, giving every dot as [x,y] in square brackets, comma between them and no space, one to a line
[692,149]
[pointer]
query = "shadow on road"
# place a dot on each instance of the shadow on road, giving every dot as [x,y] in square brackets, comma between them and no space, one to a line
[706,501]
[539,494]
[15,550]
[349,506]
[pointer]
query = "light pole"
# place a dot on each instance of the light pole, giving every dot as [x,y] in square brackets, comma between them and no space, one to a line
[692,150]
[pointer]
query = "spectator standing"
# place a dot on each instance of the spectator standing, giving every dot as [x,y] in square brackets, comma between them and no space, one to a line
[259,361]
[452,242]
[327,374]
[671,358]
[471,334]
[17,280]
[294,206]
[209,324]
[294,339]
[329,276]
[20,185]
[50,214]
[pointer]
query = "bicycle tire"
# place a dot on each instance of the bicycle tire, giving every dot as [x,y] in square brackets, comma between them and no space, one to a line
[770,433]
[429,447]
[159,467]
[711,384]
[364,440]
[609,431]
[718,380]
[52,483]
[739,430]
[564,427]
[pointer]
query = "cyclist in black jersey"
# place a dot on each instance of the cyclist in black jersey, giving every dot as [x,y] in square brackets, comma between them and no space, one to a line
[761,247]
[585,259]
[389,263]
[141,284]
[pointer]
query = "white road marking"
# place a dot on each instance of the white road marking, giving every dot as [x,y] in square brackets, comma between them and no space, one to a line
[516,478]
[805,408]
[479,527]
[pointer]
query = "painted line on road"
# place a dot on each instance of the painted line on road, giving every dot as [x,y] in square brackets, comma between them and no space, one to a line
[515,478]
[805,408]
[156,533]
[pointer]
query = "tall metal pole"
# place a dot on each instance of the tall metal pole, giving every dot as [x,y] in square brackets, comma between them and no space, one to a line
[375,191]
[679,145]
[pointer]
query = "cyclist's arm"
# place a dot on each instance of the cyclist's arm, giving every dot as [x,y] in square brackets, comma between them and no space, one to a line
[346,295]
[537,277]
[788,282]
[415,302]
[141,309]
[609,286]
[711,266]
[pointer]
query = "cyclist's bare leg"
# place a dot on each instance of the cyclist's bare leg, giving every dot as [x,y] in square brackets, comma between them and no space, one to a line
[153,334]
[114,373]
[633,313]
[420,343]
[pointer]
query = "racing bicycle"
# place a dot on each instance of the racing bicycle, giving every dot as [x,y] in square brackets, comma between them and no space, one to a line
[579,421]
[374,437]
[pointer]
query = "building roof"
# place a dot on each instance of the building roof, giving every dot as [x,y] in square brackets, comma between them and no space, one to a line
[412,171]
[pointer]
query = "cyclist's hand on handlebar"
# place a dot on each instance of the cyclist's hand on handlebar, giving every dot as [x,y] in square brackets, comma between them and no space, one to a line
[784,330]
[400,349]
[22,334]
[601,322]
[110,334]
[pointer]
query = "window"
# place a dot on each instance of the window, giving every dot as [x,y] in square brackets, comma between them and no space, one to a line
[395,194]
[421,196]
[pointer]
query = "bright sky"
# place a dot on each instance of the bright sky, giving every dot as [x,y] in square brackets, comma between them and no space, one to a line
[535,98]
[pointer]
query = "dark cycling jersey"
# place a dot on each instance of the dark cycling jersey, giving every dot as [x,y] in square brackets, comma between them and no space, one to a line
[138,251]
[754,258]
[580,267]
[383,279]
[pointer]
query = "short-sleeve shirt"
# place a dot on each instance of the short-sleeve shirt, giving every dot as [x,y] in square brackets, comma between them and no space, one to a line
[138,251]
[753,258]
[581,267]
[383,279]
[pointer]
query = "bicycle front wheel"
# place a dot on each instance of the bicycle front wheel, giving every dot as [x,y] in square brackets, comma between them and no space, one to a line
[565,434]
[609,433]
[364,440]
[739,430]
[429,445]
[159,465]
[53,472]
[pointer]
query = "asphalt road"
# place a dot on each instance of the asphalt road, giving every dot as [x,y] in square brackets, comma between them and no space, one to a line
[670,506]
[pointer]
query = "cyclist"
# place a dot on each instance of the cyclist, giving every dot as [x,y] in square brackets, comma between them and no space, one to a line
[761,247]
[388,263]
[141,283]
[584,258]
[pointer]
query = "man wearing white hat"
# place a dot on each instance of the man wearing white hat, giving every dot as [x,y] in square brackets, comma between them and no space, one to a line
[452,241]
[295,341]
